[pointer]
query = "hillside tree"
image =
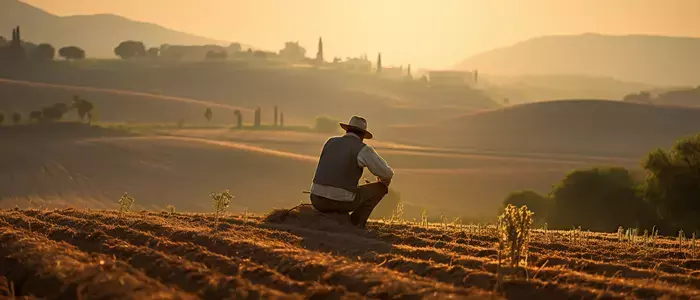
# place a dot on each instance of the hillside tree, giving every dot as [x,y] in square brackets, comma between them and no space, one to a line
[208,114]
[130,49]
[319,53]
[672,184]
[234,47]
[35,115]
[239,119]
[599,199]
[84,108]
[16,118]
[72,53]
[44,52]
[535,202]
[216,54]
[256,120]
[153,52]
[293,51]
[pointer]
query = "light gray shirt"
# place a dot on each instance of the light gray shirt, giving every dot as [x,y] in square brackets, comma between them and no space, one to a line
[366,158]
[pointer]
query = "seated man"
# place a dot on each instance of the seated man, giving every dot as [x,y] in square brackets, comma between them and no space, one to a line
[335,185]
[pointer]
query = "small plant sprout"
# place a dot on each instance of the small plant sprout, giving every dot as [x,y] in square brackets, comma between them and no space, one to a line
[424,219]
[397,214]
[220,202]
[125,203]
[171,209]
[620,234]
[513,229]
[681,239]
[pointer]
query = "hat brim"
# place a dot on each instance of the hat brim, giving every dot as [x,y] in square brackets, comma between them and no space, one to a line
[368,135]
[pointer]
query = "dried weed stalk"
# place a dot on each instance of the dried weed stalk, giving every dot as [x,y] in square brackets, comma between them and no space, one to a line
[125,203]
[424,219]
[397,214]
[171,210]
[220,202]
[514,227]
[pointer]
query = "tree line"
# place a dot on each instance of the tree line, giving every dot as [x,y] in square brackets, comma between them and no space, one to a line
[605,198]
[18,50]
[55,112]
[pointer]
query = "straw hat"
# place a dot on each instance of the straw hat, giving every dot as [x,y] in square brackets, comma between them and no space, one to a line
[358,123]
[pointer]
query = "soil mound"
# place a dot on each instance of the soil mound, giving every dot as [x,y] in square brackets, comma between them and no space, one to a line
[304,215]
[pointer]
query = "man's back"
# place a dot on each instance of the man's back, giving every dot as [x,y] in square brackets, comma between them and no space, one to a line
[338,166]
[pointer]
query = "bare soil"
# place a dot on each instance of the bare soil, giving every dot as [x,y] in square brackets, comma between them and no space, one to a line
[83,254]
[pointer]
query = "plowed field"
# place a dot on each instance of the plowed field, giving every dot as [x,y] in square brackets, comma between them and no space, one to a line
[81,254]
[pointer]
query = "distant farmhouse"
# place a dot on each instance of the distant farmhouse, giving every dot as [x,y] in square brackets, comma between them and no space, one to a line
[449,77]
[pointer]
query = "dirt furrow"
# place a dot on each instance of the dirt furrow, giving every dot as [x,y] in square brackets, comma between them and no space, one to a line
[44,268]
[233,266]
[189,276]
[304,265]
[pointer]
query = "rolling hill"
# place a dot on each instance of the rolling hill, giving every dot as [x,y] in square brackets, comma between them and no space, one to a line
[301,93]
[660,60]
[581,127]
[97,34]
[61,165]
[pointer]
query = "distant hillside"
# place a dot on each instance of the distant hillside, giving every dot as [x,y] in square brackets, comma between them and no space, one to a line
[533,88]
[97,34]
[677,96]
[582,127]
[650,59]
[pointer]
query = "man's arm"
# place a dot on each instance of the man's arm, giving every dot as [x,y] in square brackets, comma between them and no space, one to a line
[369,158]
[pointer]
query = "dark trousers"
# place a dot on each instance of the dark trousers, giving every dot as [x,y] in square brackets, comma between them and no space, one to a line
[366,199]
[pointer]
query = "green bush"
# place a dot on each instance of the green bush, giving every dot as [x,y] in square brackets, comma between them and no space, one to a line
[326,124]
[599,199]
[672,185]
[538,204]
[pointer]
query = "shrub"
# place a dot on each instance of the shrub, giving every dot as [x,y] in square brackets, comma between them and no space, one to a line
[538,204]
[2,118]
[326,124]
[16,118]
[599,199]
[673,183]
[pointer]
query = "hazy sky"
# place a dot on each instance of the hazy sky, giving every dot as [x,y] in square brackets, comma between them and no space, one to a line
[435,33]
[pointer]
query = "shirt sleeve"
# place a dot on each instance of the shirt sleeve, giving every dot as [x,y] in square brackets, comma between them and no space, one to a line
[370,159]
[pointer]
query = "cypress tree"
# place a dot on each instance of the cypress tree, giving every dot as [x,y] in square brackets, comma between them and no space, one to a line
[379,63]
[319,54]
